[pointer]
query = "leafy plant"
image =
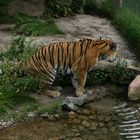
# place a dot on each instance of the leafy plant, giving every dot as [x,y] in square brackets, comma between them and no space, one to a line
[107,8]
[4,2]
[91,7]
[78,6]
[128,24]
[34,26]
[121,74]
[14,87]
[54,9]
[19,49]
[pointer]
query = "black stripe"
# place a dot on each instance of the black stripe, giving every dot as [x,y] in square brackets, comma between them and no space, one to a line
[69,60]
[89,43]
[106,52]
[49,47]
[74,51]
[103,46]
[81,47]
[52,56]
[85,63]
[65,72]
[62,51]
[40,68]
[44,58]
[58,58]
[37,64]
[65,61]
[68,44]
[86,49]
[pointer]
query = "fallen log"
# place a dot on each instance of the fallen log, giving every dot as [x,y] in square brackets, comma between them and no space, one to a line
[110,66]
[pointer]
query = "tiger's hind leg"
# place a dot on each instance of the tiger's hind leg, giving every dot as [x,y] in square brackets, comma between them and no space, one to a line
[47,81]
[56,88]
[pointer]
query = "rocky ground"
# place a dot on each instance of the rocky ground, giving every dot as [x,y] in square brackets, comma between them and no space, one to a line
[94,121]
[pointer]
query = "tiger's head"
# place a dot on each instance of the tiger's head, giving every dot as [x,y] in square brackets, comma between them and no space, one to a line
[108,50]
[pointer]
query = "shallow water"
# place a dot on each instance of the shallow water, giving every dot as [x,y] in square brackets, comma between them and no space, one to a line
[94,121]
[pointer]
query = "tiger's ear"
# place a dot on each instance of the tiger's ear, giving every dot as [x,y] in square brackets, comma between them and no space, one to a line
[100,38]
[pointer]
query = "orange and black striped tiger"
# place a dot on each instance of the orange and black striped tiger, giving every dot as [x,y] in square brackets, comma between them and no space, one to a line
[77,58]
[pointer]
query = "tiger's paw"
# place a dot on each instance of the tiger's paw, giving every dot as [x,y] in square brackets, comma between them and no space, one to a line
[80,92]
[56,88]
[52,94]
[87,91]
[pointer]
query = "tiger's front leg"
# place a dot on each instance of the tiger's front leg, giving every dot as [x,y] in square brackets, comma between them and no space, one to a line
[80,77]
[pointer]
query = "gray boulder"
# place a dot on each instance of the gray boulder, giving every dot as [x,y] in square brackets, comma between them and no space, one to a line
[134,89]
[73,103]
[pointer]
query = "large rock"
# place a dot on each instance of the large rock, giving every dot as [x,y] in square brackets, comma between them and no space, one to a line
[72,103]
[31,8]
[134,89]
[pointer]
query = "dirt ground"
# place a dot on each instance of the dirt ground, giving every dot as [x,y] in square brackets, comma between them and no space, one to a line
[75,28]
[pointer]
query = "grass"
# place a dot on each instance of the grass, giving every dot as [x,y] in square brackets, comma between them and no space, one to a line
[50,108]
[30,26]
[34,26]
[134,5]
[125,20]
[128,24]
[37,27]
[14,87]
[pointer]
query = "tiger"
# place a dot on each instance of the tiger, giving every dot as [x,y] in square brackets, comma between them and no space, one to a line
[75,58]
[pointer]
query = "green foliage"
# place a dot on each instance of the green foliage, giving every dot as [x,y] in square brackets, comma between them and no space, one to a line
[97,77]
[4,17]
[19,50]
[133,5]
[13,86]
[4,2]
[21,114]
[51,108]
[129,25]
[38,28]
[13,89]
[120,75]
[91,8]
[78,6]
[34,26]
[107,8]
[55,9]
[126,21]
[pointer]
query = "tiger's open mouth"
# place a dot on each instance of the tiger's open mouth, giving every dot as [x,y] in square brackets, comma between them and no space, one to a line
[112,58]
[109,58]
